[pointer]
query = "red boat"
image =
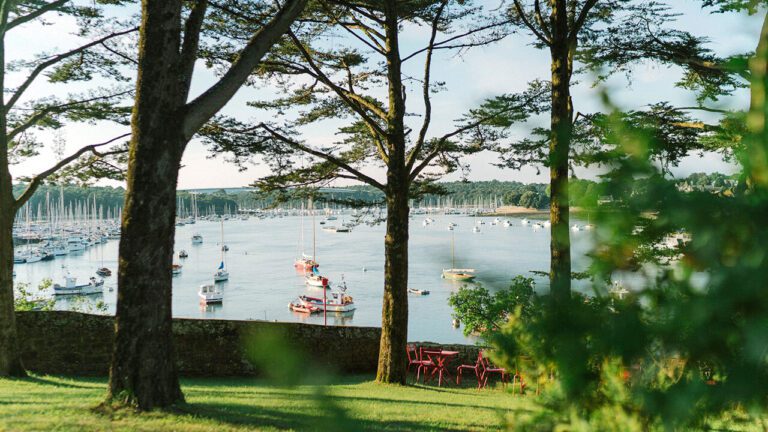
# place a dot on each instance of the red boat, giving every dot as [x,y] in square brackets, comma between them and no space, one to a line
[305,264]
[308,309]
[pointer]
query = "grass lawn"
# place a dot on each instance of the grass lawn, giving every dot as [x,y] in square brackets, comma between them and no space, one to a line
[66,404]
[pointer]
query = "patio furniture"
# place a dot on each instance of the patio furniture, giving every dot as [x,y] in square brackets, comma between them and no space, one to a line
[489,369]
[440,358]
[477,368]
[416,358]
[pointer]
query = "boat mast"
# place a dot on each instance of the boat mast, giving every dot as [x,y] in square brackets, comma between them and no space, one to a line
[453,249]
[222,242]
[314,239]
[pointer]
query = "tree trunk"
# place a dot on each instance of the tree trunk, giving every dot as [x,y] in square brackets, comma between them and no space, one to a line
[394,313]
[143,373]
[559,148]
[10,357]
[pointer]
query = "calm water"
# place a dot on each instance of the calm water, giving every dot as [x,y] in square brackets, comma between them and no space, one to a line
[262,279]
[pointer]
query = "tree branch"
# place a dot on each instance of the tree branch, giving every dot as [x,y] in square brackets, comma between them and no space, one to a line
[38,179]
[330,158]
[35,14]
[353,100]
[202,108]
[521,12]
[588,5]
[55,59]
[36,117]
[442,44]
[411,159]
[191,41]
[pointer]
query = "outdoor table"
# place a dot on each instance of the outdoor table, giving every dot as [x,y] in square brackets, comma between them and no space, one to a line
[440,359]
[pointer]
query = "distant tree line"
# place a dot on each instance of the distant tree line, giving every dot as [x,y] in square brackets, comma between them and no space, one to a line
[108,197]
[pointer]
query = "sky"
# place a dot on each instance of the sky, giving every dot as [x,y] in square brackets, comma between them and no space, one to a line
[504,67]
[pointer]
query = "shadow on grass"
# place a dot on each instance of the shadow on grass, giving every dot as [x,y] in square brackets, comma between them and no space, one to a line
[57,382]
[255,416]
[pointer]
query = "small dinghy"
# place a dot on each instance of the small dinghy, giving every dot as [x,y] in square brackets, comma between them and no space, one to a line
[418,291]
[176,269]
[183,254]
[104,272]
[303,308]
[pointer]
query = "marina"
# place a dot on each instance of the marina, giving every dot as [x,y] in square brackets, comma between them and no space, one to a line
[263,275]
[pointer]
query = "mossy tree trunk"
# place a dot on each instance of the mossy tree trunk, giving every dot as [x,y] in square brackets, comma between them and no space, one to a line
[394,314]
[559,148]
[143,371]
[10,355]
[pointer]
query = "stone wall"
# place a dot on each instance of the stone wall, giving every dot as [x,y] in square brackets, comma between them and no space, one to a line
[72,343]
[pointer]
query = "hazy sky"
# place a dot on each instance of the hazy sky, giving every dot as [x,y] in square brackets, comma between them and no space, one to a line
[481,73]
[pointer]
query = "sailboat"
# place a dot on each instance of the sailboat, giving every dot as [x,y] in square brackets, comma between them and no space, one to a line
[221,273]
[307,263]
[103,271]
[457,273]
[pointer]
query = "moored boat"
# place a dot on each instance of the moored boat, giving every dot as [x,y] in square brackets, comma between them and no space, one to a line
[209,293]
[71,287]
[176,269]
[104,272]
[459,274]
[301,308]
[418,291]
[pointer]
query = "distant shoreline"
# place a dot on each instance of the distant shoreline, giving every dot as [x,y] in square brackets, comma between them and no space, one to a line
[524,211]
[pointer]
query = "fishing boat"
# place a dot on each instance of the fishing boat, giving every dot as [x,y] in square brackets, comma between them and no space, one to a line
[176,269]
[104,272]
[71,287]
[457,273]
[197,239]
[183,254]
[335,301]
[221,274]
[209,293]
[301,308]
[418,291]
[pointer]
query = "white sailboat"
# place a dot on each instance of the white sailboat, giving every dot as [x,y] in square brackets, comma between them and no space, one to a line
[221,274]
[457,273]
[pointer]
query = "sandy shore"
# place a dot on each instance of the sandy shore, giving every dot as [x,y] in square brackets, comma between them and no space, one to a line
[517,211]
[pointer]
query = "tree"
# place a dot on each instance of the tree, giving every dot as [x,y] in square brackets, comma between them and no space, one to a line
[339,82]
[143,371]
[599,35]
[20,117]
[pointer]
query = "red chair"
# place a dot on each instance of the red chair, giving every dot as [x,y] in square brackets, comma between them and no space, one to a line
[489,369]
[415,358]
[477,368]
